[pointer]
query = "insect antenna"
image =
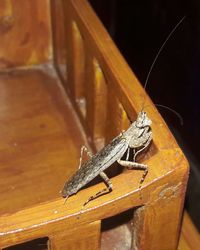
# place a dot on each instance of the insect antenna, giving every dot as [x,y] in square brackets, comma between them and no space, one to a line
[156,57]
[170,109]
[173,111]
[159,105]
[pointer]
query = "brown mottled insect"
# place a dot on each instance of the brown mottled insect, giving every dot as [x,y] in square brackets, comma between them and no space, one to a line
[137,137]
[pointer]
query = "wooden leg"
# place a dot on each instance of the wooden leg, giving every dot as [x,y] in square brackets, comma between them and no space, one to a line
[85,237]
[156,225]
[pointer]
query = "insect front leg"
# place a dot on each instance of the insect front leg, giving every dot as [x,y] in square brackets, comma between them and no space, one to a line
[146,144]
[84,149]
[106,190]
[128,153]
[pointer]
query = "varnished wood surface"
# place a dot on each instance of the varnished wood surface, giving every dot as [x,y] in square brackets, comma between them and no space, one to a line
[118,235]
[60,37]
[40,139]
[190,237]
[83,237]
[25,31]
[51,216]
[115,70]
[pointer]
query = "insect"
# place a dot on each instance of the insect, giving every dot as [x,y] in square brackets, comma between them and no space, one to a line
[136,138]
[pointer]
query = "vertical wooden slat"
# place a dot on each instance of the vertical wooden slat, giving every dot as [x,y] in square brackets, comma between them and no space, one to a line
[84,238]
[25,31]
[70,69]
[78,61]
[75,60]
[96,104]
[157,224]
[117,120]
[59,38]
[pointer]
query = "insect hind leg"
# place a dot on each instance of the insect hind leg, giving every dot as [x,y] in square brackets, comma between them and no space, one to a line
[106,190]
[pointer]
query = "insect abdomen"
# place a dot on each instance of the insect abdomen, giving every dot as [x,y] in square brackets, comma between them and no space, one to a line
[98,163]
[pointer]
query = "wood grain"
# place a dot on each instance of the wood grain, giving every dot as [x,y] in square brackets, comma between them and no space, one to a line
[96,101]
[159,218]
[40,139]
[83,237]
[48,217]
[190,237]
[25,31]
[60,37]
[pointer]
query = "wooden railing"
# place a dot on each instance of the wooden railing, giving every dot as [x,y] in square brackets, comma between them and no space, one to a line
[107,97]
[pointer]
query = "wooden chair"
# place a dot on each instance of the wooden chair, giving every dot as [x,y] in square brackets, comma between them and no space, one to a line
[48,51]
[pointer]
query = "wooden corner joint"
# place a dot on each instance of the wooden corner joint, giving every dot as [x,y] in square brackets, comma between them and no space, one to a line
[172,185]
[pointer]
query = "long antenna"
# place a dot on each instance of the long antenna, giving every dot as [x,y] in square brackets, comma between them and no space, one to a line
[161,48]
[172,110]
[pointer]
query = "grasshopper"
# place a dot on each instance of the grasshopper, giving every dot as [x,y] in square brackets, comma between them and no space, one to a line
[137,137]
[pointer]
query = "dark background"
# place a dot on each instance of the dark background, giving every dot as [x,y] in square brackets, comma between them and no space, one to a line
[139,28]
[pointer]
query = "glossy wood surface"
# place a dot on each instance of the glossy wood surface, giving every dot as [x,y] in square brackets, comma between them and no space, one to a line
[83,237]
[25,31]
[41,140]
[59,37]
[190,237]
[118,235]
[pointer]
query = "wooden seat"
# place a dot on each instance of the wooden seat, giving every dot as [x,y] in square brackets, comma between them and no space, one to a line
[83,93]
